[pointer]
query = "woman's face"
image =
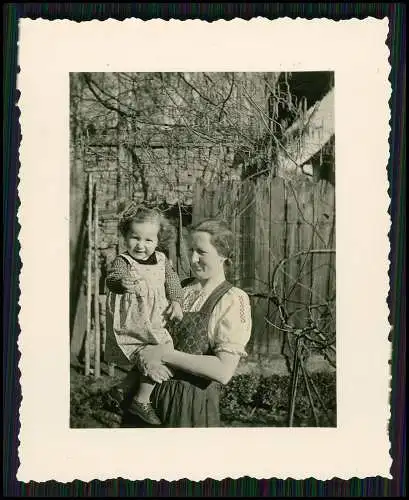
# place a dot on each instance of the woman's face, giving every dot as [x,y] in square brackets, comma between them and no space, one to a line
[205,260]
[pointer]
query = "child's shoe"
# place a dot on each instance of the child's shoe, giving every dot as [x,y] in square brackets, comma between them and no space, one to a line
[145,412]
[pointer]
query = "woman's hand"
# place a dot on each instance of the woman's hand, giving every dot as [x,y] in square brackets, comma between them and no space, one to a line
[149,361]
[174,311]
[152,354]
[158,373]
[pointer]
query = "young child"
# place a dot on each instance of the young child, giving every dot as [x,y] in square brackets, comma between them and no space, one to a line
[143,293]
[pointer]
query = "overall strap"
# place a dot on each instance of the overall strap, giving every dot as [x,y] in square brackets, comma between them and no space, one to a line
[127,257]
[214,297]
[160,257]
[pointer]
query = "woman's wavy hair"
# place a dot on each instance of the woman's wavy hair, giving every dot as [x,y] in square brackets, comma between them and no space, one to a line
[140,213]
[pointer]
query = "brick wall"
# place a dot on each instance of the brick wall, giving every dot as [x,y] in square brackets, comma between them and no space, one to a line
[169,177]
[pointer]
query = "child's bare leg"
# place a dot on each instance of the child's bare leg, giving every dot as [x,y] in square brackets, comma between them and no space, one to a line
[146,386]
[141,405]
[131,380]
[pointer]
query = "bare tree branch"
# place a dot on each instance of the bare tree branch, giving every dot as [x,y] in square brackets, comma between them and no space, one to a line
[197,91]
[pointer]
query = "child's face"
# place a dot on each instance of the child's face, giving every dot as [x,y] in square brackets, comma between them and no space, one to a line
[142,239]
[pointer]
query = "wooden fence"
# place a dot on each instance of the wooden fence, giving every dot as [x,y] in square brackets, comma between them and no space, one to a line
[275,219]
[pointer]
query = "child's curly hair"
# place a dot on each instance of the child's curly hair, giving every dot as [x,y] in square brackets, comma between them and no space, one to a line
[140,213]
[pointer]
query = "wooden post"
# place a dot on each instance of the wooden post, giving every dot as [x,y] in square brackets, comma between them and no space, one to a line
[89,278]
[103,333]
[97,366]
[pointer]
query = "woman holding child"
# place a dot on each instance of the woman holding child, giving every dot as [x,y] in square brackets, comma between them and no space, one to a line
[209,335]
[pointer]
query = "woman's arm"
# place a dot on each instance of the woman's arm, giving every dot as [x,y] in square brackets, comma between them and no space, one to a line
[231,333]
[220,367]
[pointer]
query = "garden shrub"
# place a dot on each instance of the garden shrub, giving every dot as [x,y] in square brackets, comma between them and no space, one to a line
[272,392]
[89,409]
[260,401]
[249,400]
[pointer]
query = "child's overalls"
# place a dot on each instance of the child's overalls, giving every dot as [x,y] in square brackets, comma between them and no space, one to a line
[134,320]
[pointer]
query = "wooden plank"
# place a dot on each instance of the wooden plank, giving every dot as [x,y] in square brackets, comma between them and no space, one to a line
[204,209]
[184,261]
[225,202]
[89,278]
[247,222]
[261,260]
[236,228]
[277,252]
[196,197]
[97,332]
[253,344]
[260,332]
[198,209]
[292,266]
[323,263]
[102,319]
[217,197]
[324,212]
[262,236]
[331,282]
[305,206]
[332,244]
[325,209]
[283,269]
[277,223]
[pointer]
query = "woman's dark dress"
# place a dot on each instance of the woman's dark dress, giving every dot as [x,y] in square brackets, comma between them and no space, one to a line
[188,400]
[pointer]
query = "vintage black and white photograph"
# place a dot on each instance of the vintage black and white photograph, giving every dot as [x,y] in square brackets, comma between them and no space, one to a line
[213,215]
[202,249]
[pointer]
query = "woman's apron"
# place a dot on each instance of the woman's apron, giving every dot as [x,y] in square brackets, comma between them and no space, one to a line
[189,400]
